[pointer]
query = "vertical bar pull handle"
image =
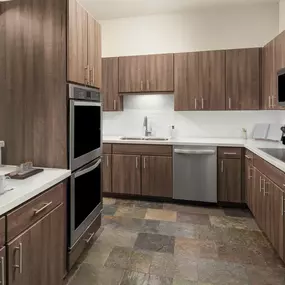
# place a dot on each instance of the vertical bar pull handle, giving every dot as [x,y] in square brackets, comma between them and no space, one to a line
[202,103]
[2,271]
[230,103]
[107,157]
[222,166]
[137,162]
[195,103]
[144,162]
[115,105]
[20,265]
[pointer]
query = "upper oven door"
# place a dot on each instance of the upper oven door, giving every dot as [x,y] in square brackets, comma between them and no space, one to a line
[85,132]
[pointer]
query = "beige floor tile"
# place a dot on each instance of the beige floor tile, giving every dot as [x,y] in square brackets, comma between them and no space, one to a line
[132,212]
[109,201]
[161,215]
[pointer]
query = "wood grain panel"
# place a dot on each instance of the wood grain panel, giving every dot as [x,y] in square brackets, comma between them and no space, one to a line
[157,176]
[81,243]
[186,67]
[273,173]
[107,173]
[77,43]
[126,174]
[33,82]
[2,231]
[229,152]
[229,181]
[132,74]
[42,254]
[110,85]
[212,80]
[159,73]
[243,79]
[107,148]
[24,216]
[142,149]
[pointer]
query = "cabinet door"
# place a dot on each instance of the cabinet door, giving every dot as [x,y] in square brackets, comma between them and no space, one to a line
[186,81]
[126,174]
[3,278]
[159,73]
[110,85]
[212,80]
[77,43]
[36,257]
[132,74]
[157,177]
[229,181]
[94,53]
[243,79]
[107,173]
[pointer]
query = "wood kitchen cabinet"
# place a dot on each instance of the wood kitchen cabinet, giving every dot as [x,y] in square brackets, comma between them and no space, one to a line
[107,173]
[36,256]
[126,174]
[146,73]
[186,80]
[132,75]
[84,47]
[110,85]
[243,79]
[212,80]
[157,176]
[229,180]
[77,62]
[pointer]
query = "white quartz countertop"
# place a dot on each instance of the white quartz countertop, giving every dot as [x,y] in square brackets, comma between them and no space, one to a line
[252,145]
[24,190]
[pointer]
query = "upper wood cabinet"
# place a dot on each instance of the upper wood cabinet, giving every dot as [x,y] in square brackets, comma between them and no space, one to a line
[212,80]
[77,43]
[84,47]
[110,85]
[37,256]
[243,79]
[159,73]
[186,81]
[157,176]
[150,73]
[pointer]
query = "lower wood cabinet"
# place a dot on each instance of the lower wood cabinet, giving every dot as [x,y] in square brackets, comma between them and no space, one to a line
[36,257]
[3,266]
[107,173]
[157,176]
[126,174]
[229,180]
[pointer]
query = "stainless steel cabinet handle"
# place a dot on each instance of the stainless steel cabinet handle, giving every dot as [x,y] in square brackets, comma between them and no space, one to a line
[137,162]
[115,105]
[272,102]
[247,156]
[264,190]
[222,166]
[202,103]
[90,238]
[259,183]
[195,103]
[269,102]
[46,205]
[90,76]
[107,158]
[194,152]
[147,82]
[144,159]
[86,72]
[249,173]
[20,266]
[230,103]
[141,85]
[2,271]
[230,153]
[93,75]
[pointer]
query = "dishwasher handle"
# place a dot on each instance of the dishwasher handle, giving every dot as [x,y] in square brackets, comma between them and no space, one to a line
[192,151]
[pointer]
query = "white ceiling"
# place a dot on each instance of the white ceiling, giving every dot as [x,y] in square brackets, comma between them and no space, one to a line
[112,9]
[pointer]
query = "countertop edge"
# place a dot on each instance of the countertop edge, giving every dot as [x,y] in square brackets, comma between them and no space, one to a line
[18,201]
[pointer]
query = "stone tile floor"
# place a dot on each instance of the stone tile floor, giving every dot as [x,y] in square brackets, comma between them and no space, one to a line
[144,243]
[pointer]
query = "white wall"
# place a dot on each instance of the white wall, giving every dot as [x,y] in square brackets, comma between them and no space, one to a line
[282,16]
[159,109]
[204,29]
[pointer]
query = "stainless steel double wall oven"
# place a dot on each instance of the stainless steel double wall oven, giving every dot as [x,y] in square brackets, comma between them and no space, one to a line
[85,149]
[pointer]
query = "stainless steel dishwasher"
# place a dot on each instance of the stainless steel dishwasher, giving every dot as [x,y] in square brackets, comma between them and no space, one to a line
[195,173]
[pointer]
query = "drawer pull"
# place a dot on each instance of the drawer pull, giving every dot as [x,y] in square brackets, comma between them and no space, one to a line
[46,205]
[2,271]
[90,238]
[20,266]
[247,156]
[230,153]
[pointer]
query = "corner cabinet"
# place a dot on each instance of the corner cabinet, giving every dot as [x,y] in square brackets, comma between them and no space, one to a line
[83,47]
[37,256]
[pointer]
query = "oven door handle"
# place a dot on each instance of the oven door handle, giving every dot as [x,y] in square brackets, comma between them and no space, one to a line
[87,168]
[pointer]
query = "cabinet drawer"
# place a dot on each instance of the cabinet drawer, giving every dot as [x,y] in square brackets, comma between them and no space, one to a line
[140,149]
[229,152]
[83,242]
[26,215]
[107,148]
[267,169]
[2,231]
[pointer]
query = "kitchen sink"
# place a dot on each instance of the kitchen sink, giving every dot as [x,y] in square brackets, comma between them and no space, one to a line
[143,139]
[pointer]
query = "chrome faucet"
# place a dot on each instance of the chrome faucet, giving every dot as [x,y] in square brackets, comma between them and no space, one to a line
[147,131]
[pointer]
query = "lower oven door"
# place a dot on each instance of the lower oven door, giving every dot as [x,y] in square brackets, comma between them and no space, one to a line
[85,198]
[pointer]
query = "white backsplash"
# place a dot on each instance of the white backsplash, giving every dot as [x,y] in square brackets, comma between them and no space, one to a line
[160,111]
